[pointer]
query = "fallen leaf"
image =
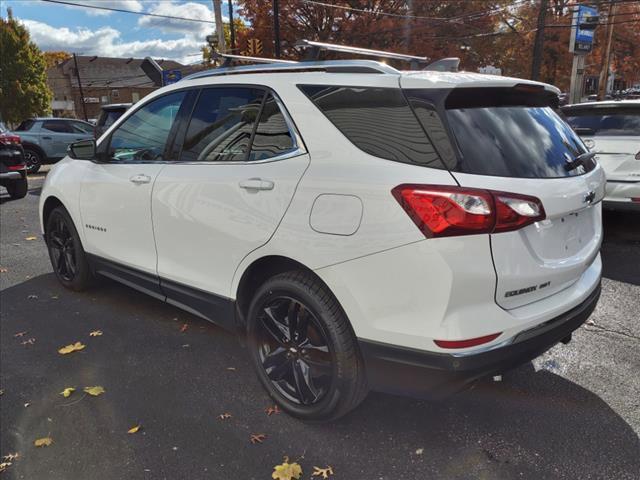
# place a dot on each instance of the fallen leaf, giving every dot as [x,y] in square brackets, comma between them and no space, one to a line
[94,391]
[3,270]
[31,238]
[27,404]
[419,451]
[54,297]
[231,369]
[184,327]
[272,410]
[322,472]
[287,471]
[1,392]
[29,341]
[67,392]
[11,456]
[95,333]
[74,347]
[224,416]
[134,429]
[43,442]
[32,297]
[4,466]
[257,438]
[20,334]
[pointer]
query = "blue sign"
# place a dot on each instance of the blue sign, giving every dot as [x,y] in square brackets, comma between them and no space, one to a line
[584,22]
[171,76]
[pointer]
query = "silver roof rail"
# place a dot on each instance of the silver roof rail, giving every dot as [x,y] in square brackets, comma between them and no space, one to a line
[316,47]
[230,59]
[331,66]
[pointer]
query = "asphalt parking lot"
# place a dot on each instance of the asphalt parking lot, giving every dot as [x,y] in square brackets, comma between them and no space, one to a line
[573,413]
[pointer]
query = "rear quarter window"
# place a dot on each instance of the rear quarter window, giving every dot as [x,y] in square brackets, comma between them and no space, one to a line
[378,121]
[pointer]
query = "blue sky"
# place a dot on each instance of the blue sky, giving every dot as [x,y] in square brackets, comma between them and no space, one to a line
[96,32]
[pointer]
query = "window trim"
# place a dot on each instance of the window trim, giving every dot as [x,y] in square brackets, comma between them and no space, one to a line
[299,148]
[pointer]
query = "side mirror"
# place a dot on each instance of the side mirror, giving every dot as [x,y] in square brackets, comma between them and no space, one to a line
[83,150]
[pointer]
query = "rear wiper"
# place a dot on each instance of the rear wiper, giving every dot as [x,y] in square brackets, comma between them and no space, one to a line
[579,160]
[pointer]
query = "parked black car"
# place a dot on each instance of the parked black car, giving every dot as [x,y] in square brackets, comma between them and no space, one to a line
[13,171]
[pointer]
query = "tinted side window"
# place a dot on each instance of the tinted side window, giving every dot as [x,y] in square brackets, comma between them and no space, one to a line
[25,126]
[57,126]
[79,127]
[376,120]
[143,136]
[222,124]
[272,137]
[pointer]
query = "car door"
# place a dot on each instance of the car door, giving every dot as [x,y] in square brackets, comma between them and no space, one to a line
[240,163]
[56,135]
[115,197]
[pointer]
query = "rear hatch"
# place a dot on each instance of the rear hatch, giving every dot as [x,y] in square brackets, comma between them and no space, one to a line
[512,140]
[613,132]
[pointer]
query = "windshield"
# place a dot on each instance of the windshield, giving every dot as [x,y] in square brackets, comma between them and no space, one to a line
[605,122]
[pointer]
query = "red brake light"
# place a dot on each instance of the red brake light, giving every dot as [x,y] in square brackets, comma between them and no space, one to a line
[471,342]
[9,138]
[444,211]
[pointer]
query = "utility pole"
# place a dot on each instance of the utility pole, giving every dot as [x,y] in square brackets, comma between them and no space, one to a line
[84,108]
[276,28]
[232,28]
[539,41]
[217,10]
[606,59]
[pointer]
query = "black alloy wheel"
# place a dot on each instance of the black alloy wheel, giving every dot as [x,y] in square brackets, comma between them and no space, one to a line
[294,351]
[33,160]
[62,249]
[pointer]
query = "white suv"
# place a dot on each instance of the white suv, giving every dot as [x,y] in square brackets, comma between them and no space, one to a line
[612,130]
[362,227]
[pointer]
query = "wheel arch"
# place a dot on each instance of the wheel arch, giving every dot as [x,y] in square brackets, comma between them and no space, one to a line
[47,207]
[35,147]
[258,272]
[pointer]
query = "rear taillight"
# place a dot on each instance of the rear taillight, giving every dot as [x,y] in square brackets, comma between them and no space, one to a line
[9,139]
[445,211]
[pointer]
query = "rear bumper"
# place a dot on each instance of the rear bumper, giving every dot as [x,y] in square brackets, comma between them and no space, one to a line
[418,373]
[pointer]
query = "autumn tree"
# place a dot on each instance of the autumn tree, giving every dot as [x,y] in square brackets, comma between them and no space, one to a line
[54,58]
[23,79]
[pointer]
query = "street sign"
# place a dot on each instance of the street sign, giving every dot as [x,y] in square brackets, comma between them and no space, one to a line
[171,76]
[584,22]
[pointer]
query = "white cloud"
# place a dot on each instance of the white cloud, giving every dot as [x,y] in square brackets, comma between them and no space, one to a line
[186,10]
[107,42]
[134,5]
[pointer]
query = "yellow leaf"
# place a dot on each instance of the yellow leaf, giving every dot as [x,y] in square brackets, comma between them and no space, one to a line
[31,238]
[95,333]
[74,347]
[43,442]
[287,471]
[322,472]
[67,392]
[134,429]
[95,391]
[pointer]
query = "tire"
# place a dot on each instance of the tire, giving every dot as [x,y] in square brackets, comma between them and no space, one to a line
[33,159]
[303,349]
[18,188]
[63,241]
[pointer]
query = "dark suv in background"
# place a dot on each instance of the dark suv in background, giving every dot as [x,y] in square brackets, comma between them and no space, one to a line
[13,173]
[109,114]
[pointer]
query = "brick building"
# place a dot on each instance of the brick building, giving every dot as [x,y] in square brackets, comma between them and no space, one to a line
[104,80]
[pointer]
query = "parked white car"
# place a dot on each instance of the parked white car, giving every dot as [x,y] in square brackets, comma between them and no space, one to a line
[363,228]
[612,130]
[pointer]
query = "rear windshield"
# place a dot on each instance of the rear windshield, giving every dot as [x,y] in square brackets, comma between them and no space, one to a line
[605,122]
[507,133]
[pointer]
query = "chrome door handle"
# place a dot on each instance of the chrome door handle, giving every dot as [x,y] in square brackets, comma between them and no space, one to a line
[256,184]
[140,179]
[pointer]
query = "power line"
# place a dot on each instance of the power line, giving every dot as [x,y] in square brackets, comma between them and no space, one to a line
[122,10]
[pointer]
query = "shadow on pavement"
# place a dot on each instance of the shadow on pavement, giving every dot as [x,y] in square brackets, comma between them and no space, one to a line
[175,384]
[621,246]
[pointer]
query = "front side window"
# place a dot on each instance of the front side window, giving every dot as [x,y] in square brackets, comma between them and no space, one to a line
[378,121]
[613,122]
[79,127]
[143,136]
